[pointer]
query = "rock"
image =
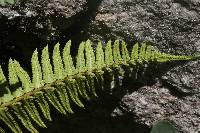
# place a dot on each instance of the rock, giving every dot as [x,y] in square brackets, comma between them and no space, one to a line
[173,27]
[184,79]
[151,103]
[27,25]
[42,18]
[170,25]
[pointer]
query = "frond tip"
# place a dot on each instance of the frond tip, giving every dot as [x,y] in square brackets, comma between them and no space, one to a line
[64,82]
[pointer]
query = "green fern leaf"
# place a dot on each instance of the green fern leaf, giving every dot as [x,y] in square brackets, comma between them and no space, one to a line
[135,54]
[109,63]
[100,79]
[13,80]
[47,71]
[116,54]
[90,65]
[163,127]
[73,92]
[10,121]
[80,60]
[142,53]
[7,96]
[109,54]
[67,85]
[67,59]
[50,95]
[90,82]
[6,2]
[41,101]
[33,113]
[23,116]
[125,54]
[61,90]
[99,57]
[90,58]
[36,71]
[100,63]
[81,84]
[149,54]
[23,76]
[57,62]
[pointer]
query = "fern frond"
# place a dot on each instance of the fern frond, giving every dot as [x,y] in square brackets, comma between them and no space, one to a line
[63,85]
[36,71]
[109,54]
[99,56]
[142,53]
[67,59]
[80,60]
[90,82]
[81,84]
[50,95]
[125,54]
[149,54]
[9,121]
[90,66]
[23,77]
[73,92]
[57,62]
[33,113]
[135,54]
[116,53]
[24,118]
[90,58]
[5,91]
[44,106]
[63,97]
[100,63]
[13,80]
[47,70]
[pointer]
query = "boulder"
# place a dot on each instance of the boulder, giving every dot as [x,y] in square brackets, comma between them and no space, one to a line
[29,24]
[173,27]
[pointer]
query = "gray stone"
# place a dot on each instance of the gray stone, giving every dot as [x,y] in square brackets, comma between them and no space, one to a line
[173,26]
[42,17]
[184,78]
[30,24]
[151,103]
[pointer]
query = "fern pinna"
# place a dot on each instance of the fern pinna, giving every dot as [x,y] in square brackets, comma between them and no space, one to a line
[64,83]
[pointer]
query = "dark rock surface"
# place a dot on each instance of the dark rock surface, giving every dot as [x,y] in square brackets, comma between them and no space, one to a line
[184,79]
[42,17]
[32,24]
[173,26]
[151,103]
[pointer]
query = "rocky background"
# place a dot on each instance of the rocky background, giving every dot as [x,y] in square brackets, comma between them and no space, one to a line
[173,26]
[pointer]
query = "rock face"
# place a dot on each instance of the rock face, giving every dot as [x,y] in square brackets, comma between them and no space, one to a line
[173,26]
[27,25]
[42,17]
[151,103]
